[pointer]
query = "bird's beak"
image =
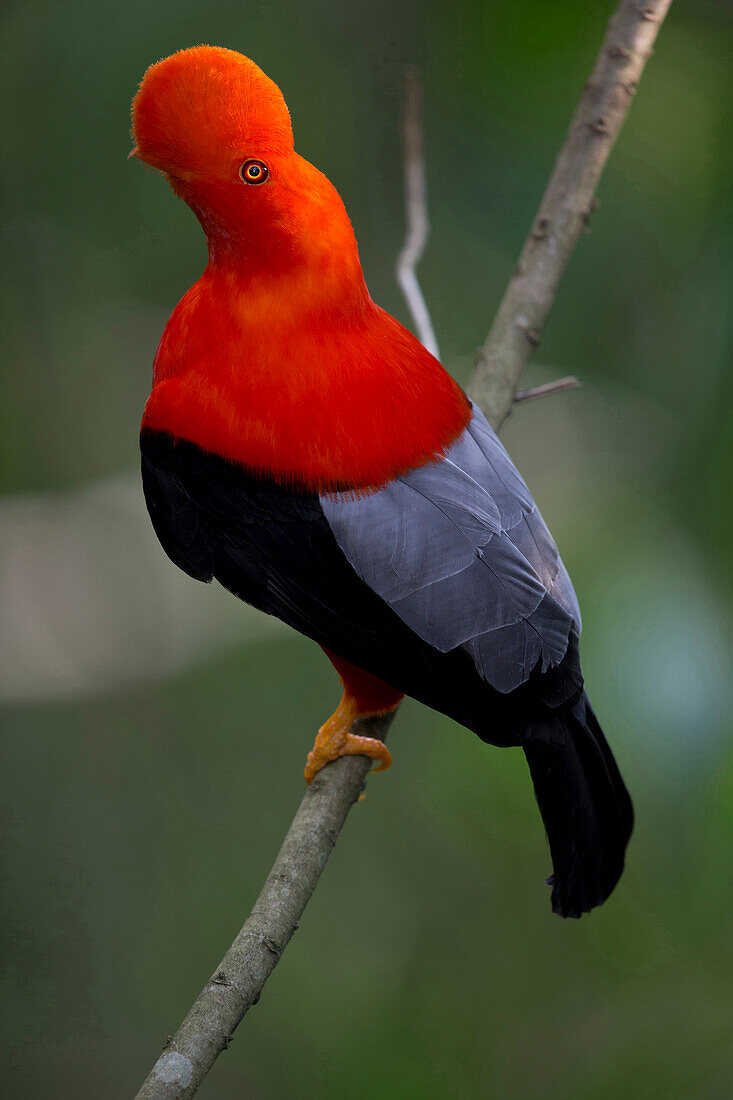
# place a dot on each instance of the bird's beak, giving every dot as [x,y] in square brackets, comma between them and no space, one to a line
[179,174]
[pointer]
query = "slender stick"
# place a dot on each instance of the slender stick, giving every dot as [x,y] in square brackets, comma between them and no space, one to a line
[239,978]
[567,205]
[416,209]
[569,383]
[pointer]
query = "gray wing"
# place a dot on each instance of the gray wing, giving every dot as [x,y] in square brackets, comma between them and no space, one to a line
[460,552]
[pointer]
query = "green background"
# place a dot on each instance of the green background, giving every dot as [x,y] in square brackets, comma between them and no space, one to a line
[153,747]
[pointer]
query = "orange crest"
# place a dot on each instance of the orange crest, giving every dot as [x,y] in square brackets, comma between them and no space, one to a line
[202,109]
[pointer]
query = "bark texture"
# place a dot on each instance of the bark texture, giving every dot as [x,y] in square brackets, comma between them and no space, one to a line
[567,205]
[238,980]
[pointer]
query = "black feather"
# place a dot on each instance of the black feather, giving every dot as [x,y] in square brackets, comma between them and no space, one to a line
[584,804]
[274,548]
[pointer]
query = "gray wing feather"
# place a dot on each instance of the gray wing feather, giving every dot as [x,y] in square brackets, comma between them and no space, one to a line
[460,551]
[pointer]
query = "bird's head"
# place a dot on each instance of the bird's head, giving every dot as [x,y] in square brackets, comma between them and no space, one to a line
[220,130]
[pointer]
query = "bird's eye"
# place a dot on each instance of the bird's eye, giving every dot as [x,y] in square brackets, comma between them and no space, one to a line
[254,171]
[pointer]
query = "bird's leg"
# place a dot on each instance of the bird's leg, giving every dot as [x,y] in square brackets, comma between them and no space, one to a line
[334,739]
[364,696]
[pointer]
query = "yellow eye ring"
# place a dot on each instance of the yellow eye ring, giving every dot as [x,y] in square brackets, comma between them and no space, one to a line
[254,171]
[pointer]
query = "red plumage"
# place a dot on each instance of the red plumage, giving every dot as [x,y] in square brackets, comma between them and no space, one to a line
[324,408]
[277,358]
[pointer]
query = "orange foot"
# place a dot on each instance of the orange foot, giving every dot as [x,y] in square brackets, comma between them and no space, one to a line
[334,739]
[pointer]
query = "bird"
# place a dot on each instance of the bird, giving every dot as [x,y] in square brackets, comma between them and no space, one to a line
[303,448]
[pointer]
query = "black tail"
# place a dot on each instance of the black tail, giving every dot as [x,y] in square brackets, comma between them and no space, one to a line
[584,804]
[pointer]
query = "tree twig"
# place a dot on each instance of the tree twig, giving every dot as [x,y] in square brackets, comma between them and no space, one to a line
[567,205]
[416,209]
[569,383]
[238,980]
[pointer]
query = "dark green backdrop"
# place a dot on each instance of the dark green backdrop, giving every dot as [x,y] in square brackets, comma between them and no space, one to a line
[154,736]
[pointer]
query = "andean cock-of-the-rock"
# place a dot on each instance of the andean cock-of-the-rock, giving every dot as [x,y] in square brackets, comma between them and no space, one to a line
[303,448]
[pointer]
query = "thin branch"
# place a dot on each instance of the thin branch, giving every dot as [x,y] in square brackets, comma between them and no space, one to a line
[569,383]
[416,209]
[567,205]
[238,980]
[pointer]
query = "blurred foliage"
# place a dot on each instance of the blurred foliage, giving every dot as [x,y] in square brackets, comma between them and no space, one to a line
[140,824]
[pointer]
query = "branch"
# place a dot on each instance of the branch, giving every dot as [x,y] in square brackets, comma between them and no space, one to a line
[238,980]
[569,383]
[566,206]
[416,210]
